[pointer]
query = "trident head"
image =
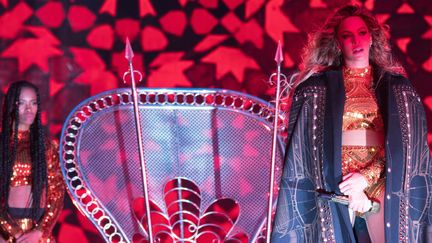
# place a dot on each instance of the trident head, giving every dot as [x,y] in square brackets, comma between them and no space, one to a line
[129,55]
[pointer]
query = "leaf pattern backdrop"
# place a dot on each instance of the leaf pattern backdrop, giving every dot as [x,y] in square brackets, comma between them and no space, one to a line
[73,49]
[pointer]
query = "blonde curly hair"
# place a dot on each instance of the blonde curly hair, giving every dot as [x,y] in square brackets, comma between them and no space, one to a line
[322,53]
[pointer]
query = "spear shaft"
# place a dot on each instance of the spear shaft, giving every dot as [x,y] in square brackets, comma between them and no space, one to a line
[278,59]
[129,55]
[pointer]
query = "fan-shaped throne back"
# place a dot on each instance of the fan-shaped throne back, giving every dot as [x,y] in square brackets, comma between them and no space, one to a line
[218,140]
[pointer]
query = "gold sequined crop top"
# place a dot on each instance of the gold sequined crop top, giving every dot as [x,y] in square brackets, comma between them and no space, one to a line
[361,109]
[361,113]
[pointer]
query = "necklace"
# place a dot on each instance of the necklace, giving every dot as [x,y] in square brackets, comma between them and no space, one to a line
[357,72]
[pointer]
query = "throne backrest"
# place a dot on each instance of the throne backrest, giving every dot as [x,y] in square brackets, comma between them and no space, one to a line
[218,139]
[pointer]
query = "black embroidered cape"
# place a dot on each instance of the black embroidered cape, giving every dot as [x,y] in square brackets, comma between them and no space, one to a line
[313,159]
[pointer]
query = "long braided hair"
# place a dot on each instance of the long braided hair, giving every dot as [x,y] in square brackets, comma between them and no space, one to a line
[9,141]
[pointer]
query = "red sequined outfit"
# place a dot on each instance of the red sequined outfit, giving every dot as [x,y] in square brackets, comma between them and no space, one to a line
[21,176]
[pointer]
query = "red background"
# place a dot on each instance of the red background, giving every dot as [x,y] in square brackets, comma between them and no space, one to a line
[74,49]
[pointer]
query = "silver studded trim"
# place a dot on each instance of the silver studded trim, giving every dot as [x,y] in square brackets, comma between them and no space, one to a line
[403,94]
[317,95]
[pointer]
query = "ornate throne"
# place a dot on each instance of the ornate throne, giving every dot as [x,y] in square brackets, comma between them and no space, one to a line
[208,158]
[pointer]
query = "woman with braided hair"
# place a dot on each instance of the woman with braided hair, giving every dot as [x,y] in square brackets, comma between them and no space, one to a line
[357,138]
[31,184]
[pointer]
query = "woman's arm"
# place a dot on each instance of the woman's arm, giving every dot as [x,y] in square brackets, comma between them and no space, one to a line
[55,195]
[9,229]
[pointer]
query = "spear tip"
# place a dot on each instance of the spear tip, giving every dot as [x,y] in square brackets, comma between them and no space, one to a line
[128,50]
[279,54]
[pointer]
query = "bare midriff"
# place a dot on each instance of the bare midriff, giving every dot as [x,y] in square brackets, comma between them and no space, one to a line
[20,197]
